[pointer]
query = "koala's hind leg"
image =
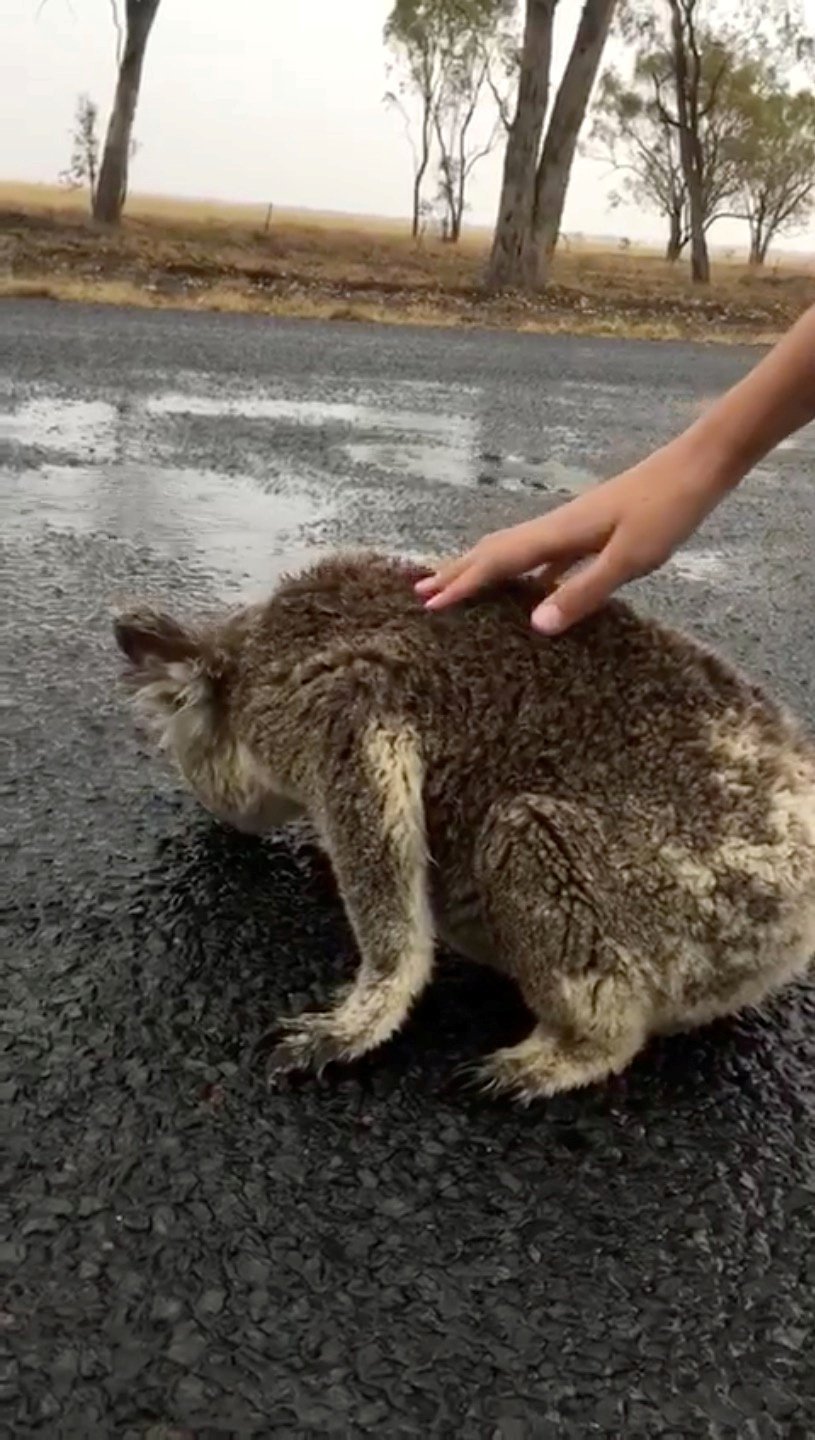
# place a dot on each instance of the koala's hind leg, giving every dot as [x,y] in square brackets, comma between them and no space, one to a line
[371,818]
[558,914]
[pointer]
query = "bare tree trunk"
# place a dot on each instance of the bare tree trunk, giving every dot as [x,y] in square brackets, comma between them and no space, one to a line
[512,240]
[699,258]
[417,201]
[761,232]
[112,188]
[675,244]
[449,232]
[457,211]
[92,155]
[690,148]
[417,205]
[759,243]
[568,112]
[418,179]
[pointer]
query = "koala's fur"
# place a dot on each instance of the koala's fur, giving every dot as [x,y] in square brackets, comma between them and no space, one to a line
[616,819]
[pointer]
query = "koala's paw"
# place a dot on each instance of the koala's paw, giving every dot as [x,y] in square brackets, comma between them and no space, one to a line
[541,1066]
[307,1043]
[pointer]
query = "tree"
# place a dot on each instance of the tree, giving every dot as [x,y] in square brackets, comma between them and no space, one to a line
[510,258]
[635,131]
[629,134]
[111,190]
[83,166]
[452,118]
[684,96]
[412,34]
[467,74]
[537,169]
[774,156]
[563,129]
[709,66]
[447,53]
[687,116]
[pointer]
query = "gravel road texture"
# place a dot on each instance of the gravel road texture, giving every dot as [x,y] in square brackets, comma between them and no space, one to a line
[377,1253]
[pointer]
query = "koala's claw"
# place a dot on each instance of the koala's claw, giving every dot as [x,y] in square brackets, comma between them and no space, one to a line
[304,1043]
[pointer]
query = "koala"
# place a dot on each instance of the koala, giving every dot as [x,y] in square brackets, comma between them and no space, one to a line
[616,819]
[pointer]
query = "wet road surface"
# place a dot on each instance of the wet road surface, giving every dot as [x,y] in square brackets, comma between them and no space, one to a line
[188,1255]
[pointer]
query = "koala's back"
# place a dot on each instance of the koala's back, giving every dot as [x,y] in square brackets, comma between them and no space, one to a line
[649,724]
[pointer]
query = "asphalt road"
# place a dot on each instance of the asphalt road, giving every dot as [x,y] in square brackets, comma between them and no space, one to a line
[378,1253]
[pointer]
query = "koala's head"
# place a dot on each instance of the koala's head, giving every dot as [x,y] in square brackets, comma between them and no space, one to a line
[184,683]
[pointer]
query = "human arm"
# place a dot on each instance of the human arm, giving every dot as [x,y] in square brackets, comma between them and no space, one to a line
[634,522]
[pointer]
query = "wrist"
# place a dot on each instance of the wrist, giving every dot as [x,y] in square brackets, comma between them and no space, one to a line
[713,459]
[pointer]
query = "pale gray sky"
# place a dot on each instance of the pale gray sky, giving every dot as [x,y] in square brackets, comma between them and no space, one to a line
[257,100]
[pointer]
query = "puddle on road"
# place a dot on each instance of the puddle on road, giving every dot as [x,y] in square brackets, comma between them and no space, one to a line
[700,565]
[228,526]
[415,460]
[304,412]
[442,450]
[417,444]
[428,446]
[518,472]
[70,427]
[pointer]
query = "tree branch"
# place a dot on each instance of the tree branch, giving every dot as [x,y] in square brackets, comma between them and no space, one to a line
[117,25]
[392,99]
[501,104]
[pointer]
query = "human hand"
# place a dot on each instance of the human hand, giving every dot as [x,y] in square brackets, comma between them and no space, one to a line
[631,525]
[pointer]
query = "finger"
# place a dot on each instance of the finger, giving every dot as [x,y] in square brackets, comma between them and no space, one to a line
[551,540]
[428,584]
[546,580]
[470,574]
[582,594]
[444,575]
[467,583]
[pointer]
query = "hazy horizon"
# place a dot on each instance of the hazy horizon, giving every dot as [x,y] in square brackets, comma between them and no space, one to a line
[219,107]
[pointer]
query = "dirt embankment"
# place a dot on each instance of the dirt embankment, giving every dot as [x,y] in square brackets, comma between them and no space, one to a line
[210,258]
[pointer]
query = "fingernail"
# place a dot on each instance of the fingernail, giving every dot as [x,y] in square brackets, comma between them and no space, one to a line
[422,586]
[433,603]
[549,619]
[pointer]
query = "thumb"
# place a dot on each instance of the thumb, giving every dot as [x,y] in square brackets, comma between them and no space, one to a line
[582,594]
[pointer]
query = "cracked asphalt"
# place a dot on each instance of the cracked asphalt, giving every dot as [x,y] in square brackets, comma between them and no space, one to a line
[187,1256]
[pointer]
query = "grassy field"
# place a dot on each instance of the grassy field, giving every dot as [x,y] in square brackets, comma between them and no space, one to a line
[202,255]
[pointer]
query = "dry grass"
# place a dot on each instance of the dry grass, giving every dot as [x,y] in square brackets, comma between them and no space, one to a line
[23,195]
[201,255]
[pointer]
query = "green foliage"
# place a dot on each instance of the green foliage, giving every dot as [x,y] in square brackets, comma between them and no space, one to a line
[436,42]
[779,26]
[449,56]
[417,24]
[755,139]
[630,134]
[773,155]
[637,130]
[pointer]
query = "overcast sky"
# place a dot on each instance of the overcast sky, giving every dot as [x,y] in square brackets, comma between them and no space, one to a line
[257,100]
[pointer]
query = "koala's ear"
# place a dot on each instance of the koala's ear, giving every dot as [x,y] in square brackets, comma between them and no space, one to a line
[146,636]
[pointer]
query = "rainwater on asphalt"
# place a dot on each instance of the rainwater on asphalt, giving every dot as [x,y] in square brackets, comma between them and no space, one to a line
[378,1253]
